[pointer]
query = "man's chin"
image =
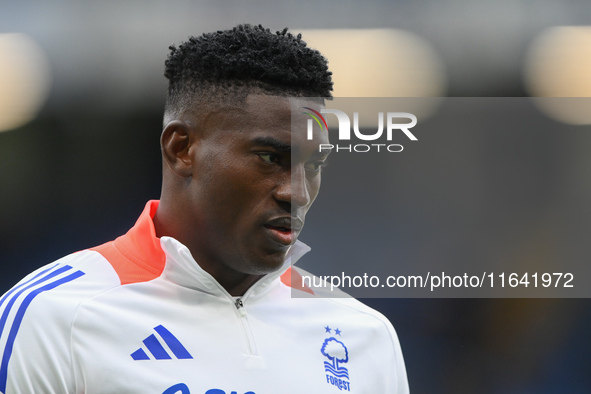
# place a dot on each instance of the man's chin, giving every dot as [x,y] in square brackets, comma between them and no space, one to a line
[270,263]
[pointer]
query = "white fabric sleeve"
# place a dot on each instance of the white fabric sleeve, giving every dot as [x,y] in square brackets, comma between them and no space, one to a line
[34,333]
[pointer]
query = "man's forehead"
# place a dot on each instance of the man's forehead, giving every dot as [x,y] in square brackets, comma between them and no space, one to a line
[281,122]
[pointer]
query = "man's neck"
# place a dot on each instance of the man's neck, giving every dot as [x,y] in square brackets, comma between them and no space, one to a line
[235,283]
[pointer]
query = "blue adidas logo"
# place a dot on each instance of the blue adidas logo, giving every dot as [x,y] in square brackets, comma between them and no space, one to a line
[157,350]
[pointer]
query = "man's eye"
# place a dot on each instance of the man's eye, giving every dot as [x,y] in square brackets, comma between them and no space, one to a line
[269,157]
[315,166]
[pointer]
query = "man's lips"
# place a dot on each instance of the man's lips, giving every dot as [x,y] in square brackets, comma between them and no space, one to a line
[284,230]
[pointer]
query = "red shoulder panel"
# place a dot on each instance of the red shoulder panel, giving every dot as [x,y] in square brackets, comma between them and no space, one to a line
[136,256]
[293,279]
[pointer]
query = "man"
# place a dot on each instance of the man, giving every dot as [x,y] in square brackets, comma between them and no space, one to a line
[196,297]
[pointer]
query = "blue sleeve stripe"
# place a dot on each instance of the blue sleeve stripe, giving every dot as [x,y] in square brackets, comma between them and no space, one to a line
[5,297]
[19,317]
[173,343]
[156,348]
[15,297]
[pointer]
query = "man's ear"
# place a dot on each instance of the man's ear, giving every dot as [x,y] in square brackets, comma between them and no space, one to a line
[176,140]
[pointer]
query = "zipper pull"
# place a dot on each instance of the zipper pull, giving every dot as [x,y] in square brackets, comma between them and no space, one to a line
[240,306]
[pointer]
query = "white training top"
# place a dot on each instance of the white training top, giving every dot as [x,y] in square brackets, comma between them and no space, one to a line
[138,315]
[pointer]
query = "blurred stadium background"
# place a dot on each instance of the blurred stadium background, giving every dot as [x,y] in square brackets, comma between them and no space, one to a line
[81,98]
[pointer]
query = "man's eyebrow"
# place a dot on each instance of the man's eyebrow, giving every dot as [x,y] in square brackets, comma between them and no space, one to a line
[273,143]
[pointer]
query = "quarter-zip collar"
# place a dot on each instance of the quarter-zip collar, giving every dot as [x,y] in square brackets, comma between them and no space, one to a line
[183,270]
[139,256]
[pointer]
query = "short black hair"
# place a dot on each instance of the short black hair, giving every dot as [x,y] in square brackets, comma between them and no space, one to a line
[246,59]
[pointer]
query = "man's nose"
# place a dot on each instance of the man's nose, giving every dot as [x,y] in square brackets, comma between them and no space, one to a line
[294,188]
